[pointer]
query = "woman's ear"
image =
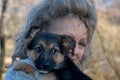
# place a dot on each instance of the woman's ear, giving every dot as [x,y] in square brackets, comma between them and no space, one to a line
[68,43]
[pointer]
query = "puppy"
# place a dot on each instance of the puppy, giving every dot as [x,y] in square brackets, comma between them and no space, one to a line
[49,54]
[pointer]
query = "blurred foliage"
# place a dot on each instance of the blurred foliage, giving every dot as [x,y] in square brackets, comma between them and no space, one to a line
[104,63]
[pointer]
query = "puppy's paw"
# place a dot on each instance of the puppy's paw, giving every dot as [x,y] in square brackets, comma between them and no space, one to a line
[24,67]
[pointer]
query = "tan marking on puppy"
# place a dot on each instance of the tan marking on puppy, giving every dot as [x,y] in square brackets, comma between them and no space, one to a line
[59,58]
[41,43]
[52,45]
[24,67]
[32,54]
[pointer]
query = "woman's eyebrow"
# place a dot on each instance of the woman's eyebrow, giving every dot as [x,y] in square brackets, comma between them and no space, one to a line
[72,35]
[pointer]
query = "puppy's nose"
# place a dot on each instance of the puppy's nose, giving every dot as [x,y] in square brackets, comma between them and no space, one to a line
[46,64]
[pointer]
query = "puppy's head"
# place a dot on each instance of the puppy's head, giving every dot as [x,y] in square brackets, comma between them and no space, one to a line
[48,50]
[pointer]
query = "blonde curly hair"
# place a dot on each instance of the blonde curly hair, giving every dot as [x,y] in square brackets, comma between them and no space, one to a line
[42,14]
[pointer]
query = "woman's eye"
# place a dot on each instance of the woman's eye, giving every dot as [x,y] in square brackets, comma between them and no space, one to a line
[82,44]
[54,50]
[38,49]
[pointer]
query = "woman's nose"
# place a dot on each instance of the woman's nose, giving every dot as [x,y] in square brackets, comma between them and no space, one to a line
[76,51]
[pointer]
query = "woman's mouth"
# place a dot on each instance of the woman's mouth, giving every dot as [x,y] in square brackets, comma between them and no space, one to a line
[74,60]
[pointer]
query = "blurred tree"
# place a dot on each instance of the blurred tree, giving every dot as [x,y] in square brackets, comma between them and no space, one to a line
[2,37]
[117,2]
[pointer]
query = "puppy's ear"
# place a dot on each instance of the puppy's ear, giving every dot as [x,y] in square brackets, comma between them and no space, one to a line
[34,31]
[68,43]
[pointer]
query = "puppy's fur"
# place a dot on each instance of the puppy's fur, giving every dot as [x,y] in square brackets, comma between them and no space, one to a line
[49,53]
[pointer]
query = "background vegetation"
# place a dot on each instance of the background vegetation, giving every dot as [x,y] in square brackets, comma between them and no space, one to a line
[104,63]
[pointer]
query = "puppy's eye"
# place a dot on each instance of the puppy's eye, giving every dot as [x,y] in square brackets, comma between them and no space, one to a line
[54,50]
[38,49]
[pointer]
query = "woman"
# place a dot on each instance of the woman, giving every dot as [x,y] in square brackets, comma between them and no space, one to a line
[76,18]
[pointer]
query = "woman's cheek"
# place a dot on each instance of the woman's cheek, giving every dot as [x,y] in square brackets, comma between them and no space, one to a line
[80,55]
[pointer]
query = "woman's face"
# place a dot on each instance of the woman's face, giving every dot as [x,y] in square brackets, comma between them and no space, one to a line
[75,28]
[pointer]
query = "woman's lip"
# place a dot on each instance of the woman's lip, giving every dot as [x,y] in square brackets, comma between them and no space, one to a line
[73,60]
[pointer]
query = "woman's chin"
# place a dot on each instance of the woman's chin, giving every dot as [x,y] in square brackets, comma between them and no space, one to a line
[74,61]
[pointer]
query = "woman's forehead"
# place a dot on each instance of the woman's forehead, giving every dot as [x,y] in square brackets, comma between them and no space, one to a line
[71,25]
[67,21]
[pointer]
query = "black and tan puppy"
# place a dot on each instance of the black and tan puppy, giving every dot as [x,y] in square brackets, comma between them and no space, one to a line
[49,53]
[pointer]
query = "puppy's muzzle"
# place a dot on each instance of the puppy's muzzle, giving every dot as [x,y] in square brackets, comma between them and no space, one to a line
[44,66]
